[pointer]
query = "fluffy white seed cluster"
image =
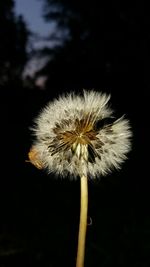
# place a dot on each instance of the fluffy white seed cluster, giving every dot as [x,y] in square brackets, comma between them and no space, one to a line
[78,134]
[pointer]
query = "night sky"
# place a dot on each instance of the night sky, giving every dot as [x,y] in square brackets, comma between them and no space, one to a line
[32,13]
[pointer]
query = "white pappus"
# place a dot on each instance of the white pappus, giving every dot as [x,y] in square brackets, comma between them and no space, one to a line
[78,134]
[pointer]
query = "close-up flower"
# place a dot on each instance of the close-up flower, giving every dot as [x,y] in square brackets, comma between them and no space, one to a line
[78,134]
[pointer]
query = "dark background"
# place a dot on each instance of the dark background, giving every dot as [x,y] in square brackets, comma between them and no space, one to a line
[106,50]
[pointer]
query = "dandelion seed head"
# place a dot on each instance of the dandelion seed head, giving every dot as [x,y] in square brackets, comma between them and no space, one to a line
[78,134]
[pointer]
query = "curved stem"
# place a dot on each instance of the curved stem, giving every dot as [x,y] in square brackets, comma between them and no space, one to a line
[83,222]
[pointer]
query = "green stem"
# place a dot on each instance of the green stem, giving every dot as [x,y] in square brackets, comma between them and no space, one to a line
[83,222]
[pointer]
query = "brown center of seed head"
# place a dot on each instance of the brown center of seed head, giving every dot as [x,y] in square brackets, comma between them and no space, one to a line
[82,134]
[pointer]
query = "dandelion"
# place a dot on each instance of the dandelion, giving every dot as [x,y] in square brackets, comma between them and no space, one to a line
[79,136]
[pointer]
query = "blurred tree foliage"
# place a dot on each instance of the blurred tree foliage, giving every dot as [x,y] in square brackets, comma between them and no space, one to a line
[13,43]
[105,42]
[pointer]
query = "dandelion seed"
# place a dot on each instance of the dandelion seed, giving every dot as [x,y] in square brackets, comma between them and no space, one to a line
[80,137]
[77,134]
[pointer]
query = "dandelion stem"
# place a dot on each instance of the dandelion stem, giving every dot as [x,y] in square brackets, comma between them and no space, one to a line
[83,222]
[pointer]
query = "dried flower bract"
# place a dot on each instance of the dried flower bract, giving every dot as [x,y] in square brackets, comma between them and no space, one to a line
[79,135]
